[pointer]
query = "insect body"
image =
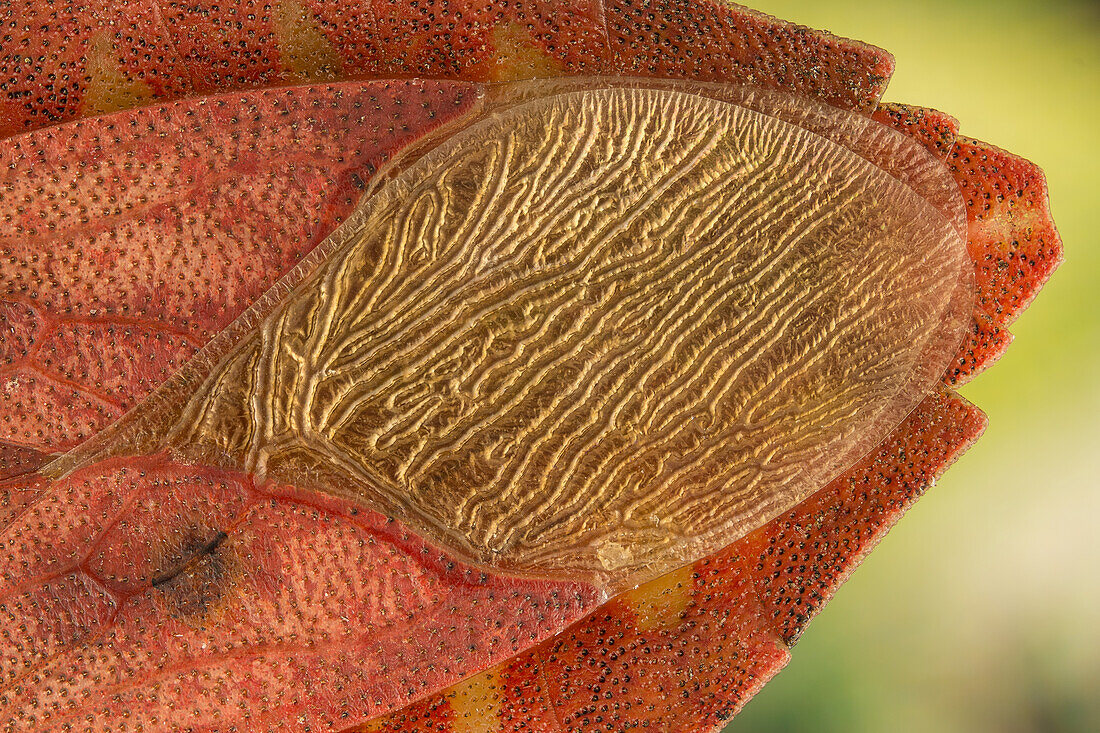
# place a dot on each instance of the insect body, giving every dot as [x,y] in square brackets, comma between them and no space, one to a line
[555,388]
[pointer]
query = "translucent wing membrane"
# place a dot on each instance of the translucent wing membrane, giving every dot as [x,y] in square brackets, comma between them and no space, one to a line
[559,353]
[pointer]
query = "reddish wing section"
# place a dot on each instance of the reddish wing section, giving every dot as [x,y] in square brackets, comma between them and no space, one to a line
[150,230]
[16,461]
[1012,241]
[189,593]
[62,60]
[933,129]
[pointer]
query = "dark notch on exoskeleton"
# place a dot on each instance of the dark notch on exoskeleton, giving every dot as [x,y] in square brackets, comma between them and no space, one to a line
[197,556]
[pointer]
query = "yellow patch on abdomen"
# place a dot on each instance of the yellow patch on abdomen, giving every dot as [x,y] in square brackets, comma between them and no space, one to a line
[305,51]
[110,89]
[475,704]
[663,602]
[518,57]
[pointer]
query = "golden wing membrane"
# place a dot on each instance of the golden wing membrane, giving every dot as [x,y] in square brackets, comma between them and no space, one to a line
[594,332]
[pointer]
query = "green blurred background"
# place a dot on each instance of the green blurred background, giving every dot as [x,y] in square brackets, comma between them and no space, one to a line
[981,610]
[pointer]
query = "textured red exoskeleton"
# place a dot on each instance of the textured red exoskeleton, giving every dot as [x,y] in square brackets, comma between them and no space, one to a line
[134,228]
